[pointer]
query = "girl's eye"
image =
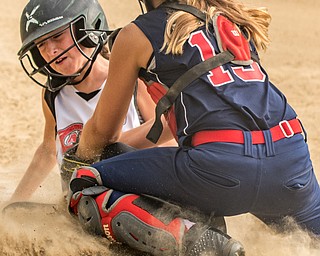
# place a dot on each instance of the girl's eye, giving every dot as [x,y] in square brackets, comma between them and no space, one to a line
[58,35]
[40,45]
[54,37]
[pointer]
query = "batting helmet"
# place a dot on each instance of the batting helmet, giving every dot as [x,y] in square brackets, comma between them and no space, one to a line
[88,26]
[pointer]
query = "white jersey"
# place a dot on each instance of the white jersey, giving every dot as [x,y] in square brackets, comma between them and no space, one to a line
[72,111]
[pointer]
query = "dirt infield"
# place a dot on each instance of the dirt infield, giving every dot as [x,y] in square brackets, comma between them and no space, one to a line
[293,65]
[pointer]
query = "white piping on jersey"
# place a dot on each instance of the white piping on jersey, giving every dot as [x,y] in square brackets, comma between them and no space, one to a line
[152,65]
[185,114]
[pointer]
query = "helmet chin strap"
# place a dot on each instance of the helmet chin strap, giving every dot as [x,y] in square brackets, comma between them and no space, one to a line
[99,48]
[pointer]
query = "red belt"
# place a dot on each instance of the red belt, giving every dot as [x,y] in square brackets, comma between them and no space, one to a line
[285,129]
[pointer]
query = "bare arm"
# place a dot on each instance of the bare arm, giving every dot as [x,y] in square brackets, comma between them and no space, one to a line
[136,137]
[130,52]
[43,161]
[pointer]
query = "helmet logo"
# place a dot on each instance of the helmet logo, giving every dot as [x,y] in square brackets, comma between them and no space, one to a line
[30,18]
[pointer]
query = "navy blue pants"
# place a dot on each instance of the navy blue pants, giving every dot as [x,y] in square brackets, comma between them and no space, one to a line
[271,180]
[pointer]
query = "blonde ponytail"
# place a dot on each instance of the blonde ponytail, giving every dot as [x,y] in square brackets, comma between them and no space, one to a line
[254,21]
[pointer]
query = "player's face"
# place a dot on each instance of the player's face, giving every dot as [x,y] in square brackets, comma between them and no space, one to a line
[55,43]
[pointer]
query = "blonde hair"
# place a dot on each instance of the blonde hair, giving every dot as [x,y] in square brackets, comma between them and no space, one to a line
[254,21]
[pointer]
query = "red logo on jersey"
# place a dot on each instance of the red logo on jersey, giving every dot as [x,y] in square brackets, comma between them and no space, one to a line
[69,135]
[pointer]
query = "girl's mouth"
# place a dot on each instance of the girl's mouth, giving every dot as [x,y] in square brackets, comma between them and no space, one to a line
[58,61]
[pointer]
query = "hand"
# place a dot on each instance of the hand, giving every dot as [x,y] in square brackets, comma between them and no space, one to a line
[71,162]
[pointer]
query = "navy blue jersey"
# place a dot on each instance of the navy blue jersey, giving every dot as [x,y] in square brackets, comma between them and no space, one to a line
[229,97]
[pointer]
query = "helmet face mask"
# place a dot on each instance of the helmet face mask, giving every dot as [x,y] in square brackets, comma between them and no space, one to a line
[43,74]
[88,28]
